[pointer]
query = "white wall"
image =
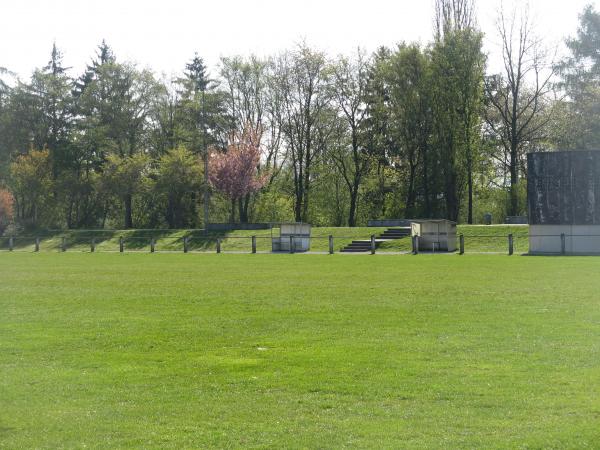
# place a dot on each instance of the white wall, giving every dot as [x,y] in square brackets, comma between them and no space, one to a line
[579,239]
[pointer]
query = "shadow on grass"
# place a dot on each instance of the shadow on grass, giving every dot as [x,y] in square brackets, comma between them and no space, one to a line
[53,239]
[198,241]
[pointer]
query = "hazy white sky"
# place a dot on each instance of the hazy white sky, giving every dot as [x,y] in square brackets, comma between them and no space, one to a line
[164,34]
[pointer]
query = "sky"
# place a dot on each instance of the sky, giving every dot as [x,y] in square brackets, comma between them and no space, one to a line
[164,34]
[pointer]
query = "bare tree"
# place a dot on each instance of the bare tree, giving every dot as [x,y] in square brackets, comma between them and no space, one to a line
[348,90]
[302,82]
[453,15]
[516,97]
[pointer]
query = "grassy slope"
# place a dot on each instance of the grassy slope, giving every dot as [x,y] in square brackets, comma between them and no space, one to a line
[477,238]
[172,351]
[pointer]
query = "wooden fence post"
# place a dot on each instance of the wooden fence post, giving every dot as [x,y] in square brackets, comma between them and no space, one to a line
[37,244]
[372,244]
[291,243]
[121,244]
[253,244]
[330,244]
[510,244]
[563,244]
[63,245]
[461,244]
[93,245]
[218,245]
[185,244]
[11,243]
[152,245]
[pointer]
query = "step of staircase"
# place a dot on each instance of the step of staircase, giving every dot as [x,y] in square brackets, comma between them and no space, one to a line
[365,245]
[395,233]
[358,246]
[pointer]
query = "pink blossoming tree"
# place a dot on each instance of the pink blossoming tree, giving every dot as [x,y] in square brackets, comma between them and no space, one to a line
[235,172]
[6,209]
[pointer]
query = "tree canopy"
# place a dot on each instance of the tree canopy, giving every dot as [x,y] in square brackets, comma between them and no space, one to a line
[412,130]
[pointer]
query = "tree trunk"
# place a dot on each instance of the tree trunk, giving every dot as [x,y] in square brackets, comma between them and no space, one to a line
[470,187]
[298,207]
[411,194]
[514,156]
[514,184]
[304,216]
[244,204]
[299,194]
[243,209]
[232,217]
[170,212]
[426,184]
[452,208]
[193,210]
[104,214]
[353,203]
[128,215]
[70,214]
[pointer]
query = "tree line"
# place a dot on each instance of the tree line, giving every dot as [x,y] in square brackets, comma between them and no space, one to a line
[410,131]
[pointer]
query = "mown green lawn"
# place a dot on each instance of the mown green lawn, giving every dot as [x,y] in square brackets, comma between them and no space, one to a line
[113,350]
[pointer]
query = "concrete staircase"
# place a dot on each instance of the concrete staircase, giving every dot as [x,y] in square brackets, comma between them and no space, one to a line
[362,246]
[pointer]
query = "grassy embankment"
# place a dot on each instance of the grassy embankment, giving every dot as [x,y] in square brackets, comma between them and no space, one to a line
[477,239]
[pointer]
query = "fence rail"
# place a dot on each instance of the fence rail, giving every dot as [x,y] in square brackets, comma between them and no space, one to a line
[192,243]
[259,243]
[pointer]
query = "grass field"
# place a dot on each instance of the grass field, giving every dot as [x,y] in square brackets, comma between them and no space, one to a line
[137,350]
[477,239]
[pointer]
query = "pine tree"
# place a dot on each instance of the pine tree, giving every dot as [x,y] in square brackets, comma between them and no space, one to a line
[196,74]
[581,80]
[104,55]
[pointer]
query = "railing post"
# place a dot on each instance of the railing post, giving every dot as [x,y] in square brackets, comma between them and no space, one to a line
[218,245]
[11,243]
[291,243]
[253,244]
[372,244]
[121,244]
[37,244]
[93,245]
[185,244]
[415,245]
[461,243]
[152,245]
[563,244]
[510,244]
[63,245]
[330,244]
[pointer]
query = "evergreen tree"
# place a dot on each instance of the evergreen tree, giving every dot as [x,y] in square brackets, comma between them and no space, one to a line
[581,80]
[104,55]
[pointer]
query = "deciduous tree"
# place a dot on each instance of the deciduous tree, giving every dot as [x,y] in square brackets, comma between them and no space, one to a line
[6,209]
[516,98]
[234,172]
[348,90]
[32,183]
[178,180]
